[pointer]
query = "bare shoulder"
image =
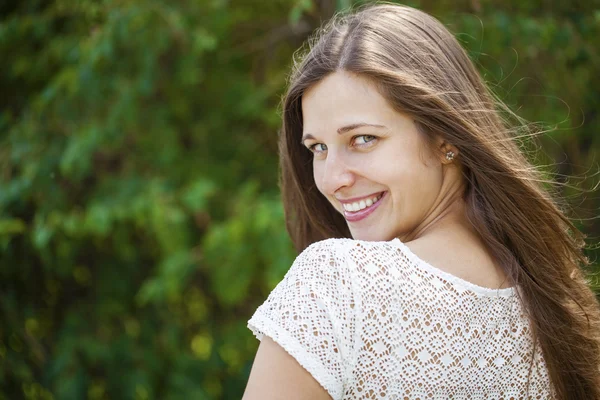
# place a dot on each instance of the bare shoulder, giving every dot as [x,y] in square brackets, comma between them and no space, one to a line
[277,375]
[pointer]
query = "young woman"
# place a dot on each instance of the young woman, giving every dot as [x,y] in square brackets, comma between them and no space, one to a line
[434,264]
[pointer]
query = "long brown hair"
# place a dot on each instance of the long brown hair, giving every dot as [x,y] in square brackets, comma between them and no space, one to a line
[421,69]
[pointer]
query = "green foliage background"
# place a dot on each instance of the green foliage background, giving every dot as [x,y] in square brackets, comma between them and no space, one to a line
[140,220]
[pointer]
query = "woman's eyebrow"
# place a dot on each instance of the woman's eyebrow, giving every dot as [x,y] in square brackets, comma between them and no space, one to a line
[352,127]
[306,136]
[344,129]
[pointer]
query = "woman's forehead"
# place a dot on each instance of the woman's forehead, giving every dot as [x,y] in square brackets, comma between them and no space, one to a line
[343,100]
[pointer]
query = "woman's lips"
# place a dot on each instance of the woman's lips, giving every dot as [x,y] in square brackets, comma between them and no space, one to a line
[354,216]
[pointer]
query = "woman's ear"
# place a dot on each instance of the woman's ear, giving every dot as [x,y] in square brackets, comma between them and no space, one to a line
[447,151]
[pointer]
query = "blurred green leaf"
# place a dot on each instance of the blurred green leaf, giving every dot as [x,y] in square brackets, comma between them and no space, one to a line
[12,226]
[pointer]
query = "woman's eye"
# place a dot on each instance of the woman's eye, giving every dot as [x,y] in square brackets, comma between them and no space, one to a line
[317,148]
[364,139]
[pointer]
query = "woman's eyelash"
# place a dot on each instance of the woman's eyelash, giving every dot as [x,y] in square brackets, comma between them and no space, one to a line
[372,138]
[312,147]
[366,142]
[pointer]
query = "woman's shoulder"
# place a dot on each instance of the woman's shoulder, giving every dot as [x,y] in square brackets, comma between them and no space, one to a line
[407,264]
[345,249]
[357,256]
[352,246]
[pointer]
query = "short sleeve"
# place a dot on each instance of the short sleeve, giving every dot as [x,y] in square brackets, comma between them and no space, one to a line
[310,313]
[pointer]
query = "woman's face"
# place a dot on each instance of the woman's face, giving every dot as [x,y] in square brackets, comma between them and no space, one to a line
[370,161]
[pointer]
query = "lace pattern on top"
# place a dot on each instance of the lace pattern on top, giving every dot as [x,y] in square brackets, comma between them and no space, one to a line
[370,320]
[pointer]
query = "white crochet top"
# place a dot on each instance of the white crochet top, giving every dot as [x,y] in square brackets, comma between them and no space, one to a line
[371,320]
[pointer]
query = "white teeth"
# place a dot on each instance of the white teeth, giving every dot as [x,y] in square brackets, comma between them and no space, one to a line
[357,206]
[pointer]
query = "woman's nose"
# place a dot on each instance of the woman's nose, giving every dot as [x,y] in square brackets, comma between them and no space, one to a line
[335,174]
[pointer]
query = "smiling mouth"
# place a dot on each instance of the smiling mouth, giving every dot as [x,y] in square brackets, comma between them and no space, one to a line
[364,208]
[361,205]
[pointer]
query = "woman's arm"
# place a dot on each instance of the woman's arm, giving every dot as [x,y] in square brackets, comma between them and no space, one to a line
[277,375]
